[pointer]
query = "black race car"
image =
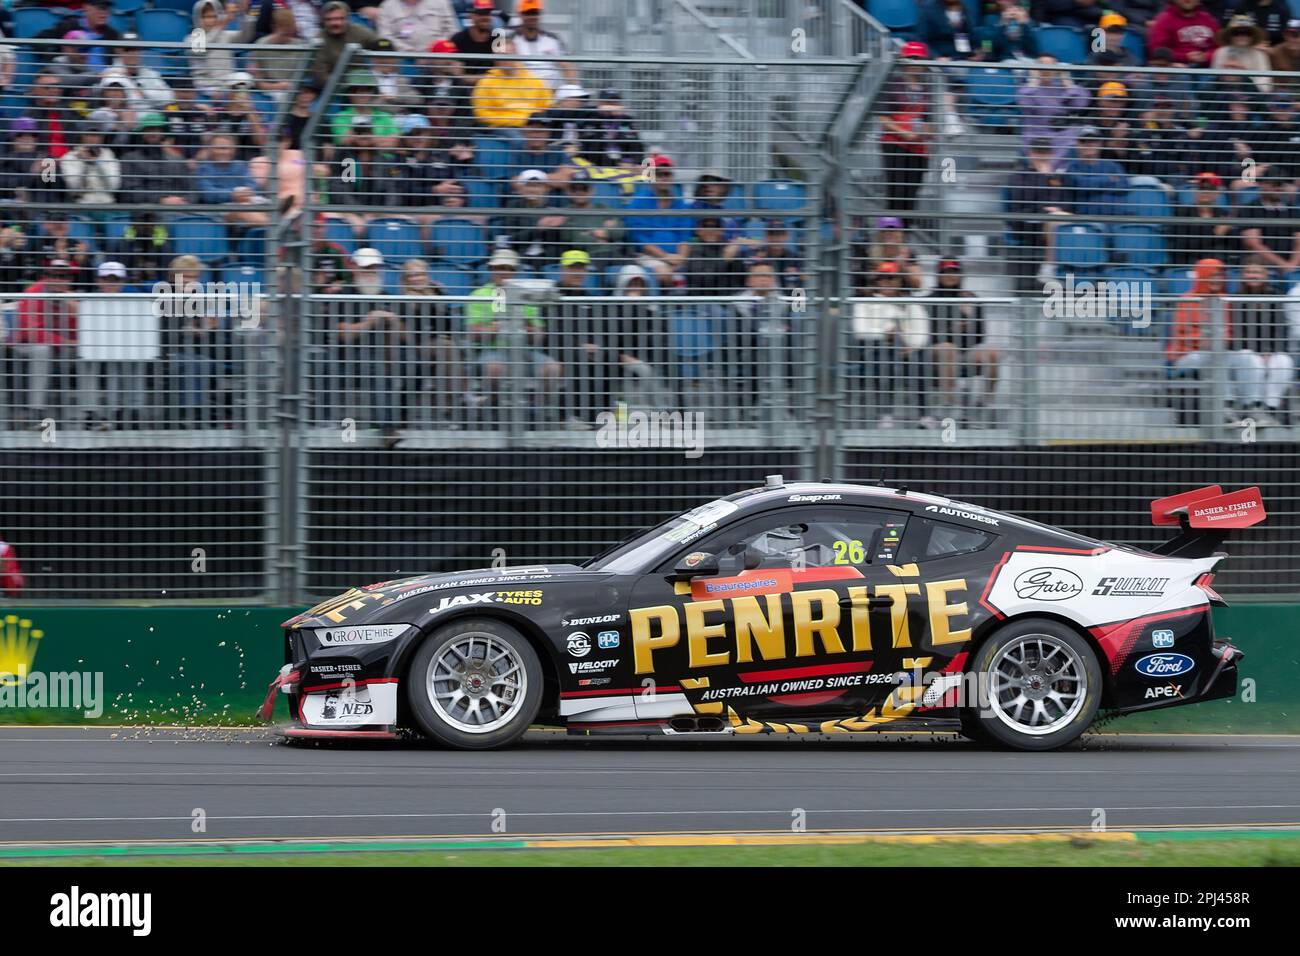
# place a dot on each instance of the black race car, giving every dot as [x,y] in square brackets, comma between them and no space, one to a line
[791,608]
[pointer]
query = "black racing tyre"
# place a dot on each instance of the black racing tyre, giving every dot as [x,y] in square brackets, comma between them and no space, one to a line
[475,684]
[1040,686]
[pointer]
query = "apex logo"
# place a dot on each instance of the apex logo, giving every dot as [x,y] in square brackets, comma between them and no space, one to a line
[1168,692]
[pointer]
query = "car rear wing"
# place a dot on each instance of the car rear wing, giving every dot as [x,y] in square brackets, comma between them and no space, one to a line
[1205,516]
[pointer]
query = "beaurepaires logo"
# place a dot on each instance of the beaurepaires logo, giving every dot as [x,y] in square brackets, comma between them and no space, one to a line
[75,909]
[22,688]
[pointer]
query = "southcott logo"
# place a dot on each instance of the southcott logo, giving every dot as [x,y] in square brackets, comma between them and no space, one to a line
[1048,584]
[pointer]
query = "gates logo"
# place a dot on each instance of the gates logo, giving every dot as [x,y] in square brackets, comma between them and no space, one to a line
[1165,665]
[1047,584]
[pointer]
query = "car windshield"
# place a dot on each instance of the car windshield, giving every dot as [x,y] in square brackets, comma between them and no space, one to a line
[648,548]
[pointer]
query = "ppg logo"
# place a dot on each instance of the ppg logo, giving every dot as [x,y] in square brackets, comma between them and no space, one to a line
[1162,638]
[1165,665]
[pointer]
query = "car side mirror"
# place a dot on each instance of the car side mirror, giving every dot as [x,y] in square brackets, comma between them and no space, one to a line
[697,564]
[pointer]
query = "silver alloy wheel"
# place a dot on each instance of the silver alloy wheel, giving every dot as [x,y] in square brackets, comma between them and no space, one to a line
[476,682]
[1038,684]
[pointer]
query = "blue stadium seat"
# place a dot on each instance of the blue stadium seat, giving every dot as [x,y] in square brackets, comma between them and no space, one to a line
[495,157]
[604,192]
[1176,281]
[200,236]
[250,249]
[1145,201]
[1081,245]
[454,280]
[126,7]
[1139,245]
[1065,43]
[458,241]
[1134,43]
[898,15]
[992,95]
[482,193]
[339,231]
[81,231]
[29,21]
[396,239]
[780,195]
[167,26]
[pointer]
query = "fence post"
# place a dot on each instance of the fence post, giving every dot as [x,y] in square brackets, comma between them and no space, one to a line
[1214,398]
[1029,312]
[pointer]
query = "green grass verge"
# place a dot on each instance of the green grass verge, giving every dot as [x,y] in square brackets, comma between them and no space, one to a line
[1185,850]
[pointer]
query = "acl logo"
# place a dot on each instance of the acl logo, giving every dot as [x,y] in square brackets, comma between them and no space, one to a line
[578,644]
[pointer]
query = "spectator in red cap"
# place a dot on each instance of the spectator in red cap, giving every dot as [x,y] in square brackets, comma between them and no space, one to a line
[905,118]
[411,25]
[1198,232]
[531,40]
[477,38]
[661,242]
[45,340]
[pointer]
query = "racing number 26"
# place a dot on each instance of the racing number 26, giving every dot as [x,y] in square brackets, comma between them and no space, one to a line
[849,552]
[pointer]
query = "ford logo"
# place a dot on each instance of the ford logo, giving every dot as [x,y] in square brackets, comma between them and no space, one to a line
[1047,584]
[1165,665]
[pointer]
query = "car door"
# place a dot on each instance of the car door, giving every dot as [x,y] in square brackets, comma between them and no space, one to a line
[784,621]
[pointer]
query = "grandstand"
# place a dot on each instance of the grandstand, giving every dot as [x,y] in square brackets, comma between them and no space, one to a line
[320,293]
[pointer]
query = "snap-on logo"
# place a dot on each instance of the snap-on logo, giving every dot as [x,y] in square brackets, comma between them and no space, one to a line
[813,499]
[1165,665]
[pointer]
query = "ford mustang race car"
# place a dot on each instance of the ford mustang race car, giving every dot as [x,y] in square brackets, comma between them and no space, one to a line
[805,608]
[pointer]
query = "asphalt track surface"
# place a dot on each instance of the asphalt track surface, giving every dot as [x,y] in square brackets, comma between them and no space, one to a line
[78,785]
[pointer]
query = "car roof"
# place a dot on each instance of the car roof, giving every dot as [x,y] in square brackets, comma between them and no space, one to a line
[881,495]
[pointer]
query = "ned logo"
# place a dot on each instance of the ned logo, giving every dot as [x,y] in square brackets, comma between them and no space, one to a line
[75,909]
[1101,299]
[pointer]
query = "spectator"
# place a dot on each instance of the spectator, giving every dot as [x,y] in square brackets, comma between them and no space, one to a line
[45,339]
[235,115]
[891,331]
[445,89]
[1284,57]
[191,120]
[713,266]
[12,581]
[338,31]
[364,117]
[777,249]
[56,244]
[91,171]
[19,261]
[371,341]
[713,192]
[1278,137]
[508,94]
[72,66]
[600,237]
[438,365]
[393,91]
[1242,46]
[210,67]
[52,116]
[295,120]
[1047,104]
[413,25]
[93,22]
[1081,14]
[570,120]
[1138,13]
[1096,186]
[368,173]
[275,68]
[494,354]
[584,341]
[1038,189]
[145,87]
[1186,30]
[1275,240]
[611,136]
[1228,138]
[535,150]
[25,171]
[531,40]
[1190,348]
[111,341]
[960,348]
[946,28]
[477,38]
[661,242]
[223,178]
[1270,16]
[331,263]
[154,173]
[905,118]
[1262,341]
[1008,33]
[534,228]
[767,341]
[1114,28]
[890,245]
[1197,232]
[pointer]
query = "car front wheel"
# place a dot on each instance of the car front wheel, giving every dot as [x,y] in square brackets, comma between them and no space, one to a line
[1040,686]
[475,684]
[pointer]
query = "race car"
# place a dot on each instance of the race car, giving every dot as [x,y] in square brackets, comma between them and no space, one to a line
[800,608]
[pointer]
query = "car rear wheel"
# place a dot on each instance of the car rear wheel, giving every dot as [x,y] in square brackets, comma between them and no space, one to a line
[475,684]
[1040,686]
